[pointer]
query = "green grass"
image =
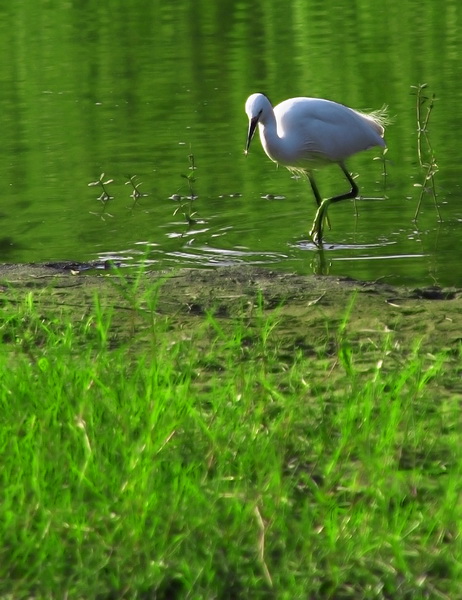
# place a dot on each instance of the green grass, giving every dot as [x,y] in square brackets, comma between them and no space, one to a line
[222,460]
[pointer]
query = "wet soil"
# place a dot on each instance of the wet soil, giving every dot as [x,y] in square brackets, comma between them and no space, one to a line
[308,307]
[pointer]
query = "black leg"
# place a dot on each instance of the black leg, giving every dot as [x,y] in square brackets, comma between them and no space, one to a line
[353,193]
[321,214]
[314,187]
[317,195]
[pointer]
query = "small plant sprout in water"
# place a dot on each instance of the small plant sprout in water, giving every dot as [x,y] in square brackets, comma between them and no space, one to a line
[185,208]
[426,156]
[136,194]
[190,177]
[104,197]
[384,161]
[186,202]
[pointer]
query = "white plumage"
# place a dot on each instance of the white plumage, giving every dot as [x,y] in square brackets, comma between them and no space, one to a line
[307,133]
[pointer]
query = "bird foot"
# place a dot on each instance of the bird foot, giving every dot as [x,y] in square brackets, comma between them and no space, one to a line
[316,237]
[316,229]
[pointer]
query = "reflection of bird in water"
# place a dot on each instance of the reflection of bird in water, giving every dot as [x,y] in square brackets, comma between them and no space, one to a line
[307,133]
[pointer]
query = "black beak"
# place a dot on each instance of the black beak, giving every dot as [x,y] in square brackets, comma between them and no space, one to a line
[252,127]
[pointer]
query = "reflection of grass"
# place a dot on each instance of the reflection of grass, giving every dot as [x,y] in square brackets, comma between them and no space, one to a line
[425,152]
[222,460]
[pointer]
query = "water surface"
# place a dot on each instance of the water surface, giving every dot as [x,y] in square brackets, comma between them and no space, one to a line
[137,88]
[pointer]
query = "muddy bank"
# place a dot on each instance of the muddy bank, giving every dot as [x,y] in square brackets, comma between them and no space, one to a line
[307,306]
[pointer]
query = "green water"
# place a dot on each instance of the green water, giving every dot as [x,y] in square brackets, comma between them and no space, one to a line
[133,88]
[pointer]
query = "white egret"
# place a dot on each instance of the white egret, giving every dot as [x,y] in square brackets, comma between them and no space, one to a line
[304,134]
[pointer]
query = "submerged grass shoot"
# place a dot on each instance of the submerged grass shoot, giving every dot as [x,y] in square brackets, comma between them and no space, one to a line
[222,460]
[425,153]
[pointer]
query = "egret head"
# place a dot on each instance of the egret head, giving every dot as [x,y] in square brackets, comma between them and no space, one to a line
[254,108]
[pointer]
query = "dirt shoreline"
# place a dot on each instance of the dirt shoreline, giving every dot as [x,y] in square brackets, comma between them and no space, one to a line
[307,305]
